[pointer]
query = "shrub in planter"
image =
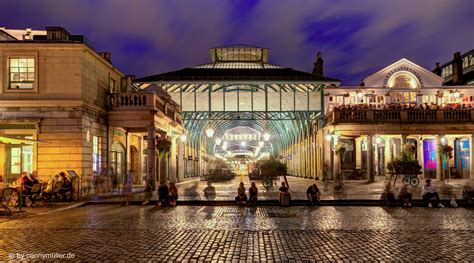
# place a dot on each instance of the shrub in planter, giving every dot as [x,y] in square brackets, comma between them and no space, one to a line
[272,167]
[406,163]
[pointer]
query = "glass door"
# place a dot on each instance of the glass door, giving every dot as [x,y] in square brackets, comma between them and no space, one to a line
[20,159]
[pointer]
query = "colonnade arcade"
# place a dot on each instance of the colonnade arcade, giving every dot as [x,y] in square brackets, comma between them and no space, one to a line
[240,123]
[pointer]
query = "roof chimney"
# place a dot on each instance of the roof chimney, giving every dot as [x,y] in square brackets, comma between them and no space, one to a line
[437,69]
[106,56]
[318,65]
[457,69]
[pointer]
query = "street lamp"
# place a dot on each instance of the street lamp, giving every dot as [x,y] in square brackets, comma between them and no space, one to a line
[456,94]
[444,141]
[260,144]
[328,137]
[266,136]
[243,143]
[210,132]
[378,140]
[183,137]
[218,141]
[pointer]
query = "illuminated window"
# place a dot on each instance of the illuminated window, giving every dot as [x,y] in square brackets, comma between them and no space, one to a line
[403,81]
[21,73]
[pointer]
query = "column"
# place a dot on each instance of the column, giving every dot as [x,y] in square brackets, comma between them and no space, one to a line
[181,161]
[151,159]
[471,156]
[439,163]
[370,159]
[358,152]
[173,159]
[404,140]
[420,155]
[388,156]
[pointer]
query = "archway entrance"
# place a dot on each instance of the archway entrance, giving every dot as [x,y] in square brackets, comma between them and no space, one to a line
[118,163]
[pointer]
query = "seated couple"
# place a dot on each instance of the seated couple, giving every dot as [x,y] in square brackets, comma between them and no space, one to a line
[167,196]
[241,197]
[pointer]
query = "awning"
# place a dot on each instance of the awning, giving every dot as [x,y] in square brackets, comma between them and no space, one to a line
[8,139]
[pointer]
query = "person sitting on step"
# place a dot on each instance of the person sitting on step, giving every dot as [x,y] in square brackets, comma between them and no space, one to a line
[253,192]
[313,194]
[284,196]
[404,197]
[388,195]
[428,192]
[163,194]
[468,192]
[241,196]
[173,194]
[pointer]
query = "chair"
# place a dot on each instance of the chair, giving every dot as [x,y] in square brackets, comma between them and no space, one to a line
[5,196]
[36,194]
[57,193]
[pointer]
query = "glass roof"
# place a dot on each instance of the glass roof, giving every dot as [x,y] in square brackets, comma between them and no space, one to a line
[239,53]
[238,65]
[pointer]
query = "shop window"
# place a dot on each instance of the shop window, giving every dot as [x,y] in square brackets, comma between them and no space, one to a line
[429,158]
[21,73]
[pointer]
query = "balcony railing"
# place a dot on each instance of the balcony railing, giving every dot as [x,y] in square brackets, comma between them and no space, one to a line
[399,116]
[145,102]
[126,101]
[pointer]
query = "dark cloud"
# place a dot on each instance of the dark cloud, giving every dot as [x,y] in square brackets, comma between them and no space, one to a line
[356,37]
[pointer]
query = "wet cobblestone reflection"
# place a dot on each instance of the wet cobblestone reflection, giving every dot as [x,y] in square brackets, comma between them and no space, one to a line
[197,233]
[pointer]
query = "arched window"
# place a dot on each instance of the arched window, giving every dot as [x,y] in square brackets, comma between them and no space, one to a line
[403,80]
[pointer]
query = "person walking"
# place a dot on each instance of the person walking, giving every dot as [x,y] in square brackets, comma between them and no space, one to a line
[128,188]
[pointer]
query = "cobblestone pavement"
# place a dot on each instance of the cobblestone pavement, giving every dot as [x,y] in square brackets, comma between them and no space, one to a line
[231,233]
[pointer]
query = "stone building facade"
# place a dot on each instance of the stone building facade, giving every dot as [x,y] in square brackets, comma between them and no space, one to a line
[55,109]
[402,103]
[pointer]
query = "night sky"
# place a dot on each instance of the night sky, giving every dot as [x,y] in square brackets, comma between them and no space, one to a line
[356,38]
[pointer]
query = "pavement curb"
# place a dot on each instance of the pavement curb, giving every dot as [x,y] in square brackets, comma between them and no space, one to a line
[353,202]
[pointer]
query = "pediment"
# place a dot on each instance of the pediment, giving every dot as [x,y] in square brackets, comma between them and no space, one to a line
[424,77]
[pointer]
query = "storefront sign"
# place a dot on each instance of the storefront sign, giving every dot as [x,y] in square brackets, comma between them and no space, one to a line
[399,69]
